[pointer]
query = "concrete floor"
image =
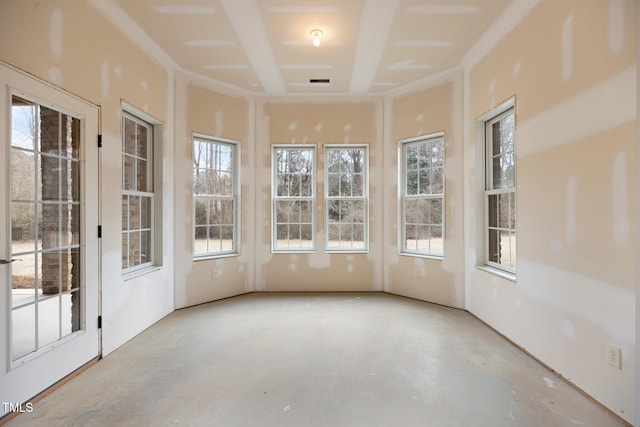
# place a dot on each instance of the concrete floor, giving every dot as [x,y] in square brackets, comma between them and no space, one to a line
[317,360]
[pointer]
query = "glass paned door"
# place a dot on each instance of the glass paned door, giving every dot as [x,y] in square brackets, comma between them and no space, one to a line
[45,221]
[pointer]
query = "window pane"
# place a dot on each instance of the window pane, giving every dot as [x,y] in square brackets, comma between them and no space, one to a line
[345,185]
[333,161]
[358,185]
[422,239]
[48,321]
[333,188]
[226,237]
[134,248]
[141,176]
[282,234]
[512,212]
[412,157]
[129,138]
[145,211]
[502,155]
[24,116]
[129,171]
[411,211]
[493,210]
[436,240]
[23,175]
[496,142]
[125,250]
[306,185]
[346,235]
[23,331]
[504,210]
[359,207]
[437,180]
[358,235]
[295,185]
[306,236]
[424,182]
[283,210]
[306,212]
[134,213]
[226,184]
[26,276]
[145,247]
[333,211]
[228,212]
[143,143]
[494,246]
[412,183]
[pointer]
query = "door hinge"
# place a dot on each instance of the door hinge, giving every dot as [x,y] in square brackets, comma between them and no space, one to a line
[99,232]
[99,322]
[99,141]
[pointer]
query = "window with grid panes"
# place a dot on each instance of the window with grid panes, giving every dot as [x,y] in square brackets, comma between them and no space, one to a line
[137,193]
[346,198]
[500,191]
[293,198]
[215,197]
[422,195]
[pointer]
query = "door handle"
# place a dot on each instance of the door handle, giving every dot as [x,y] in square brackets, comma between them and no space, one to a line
[4,261]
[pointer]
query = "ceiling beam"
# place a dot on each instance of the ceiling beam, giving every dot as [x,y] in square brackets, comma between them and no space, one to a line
[245,18]
[375,24]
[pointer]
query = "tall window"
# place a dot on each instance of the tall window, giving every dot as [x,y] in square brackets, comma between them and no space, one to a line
[215,197]
[500,191]
[346,193]
[137,193]
[422,195]
[293,198]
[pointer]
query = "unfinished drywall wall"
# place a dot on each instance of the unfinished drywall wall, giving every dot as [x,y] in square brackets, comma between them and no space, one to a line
[200,109]
[424,112]
[571,67]
[330,122]
[69,44]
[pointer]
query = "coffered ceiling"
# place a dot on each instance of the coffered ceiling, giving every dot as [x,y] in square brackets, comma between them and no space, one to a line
[265,46]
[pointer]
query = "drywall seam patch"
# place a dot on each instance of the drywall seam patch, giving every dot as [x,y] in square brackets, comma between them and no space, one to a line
[55,33]
[567,46]
[582,115]
[219,123]
[621,223]
[104,79]
[570,215]
[616,25]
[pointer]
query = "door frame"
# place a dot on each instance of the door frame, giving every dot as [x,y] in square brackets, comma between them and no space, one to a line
[28,376]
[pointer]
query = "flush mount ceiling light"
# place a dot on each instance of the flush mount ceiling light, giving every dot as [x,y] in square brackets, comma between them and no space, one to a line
[316,33]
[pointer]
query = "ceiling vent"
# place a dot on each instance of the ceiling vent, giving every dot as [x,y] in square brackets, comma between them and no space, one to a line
[321,81]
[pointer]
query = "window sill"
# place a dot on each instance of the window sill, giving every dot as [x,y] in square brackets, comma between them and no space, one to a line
[210,257]
[427,256]
[137,273]
[347,251]
[497,272]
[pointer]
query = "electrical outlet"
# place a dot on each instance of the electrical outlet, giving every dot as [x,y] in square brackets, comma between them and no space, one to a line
[417,272]
[215,274]
[614,356]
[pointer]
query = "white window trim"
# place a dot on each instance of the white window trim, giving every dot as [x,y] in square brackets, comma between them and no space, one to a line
[274,198]
[364,197]
[483,174]
[402,196]
[132,112]
[236,198]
